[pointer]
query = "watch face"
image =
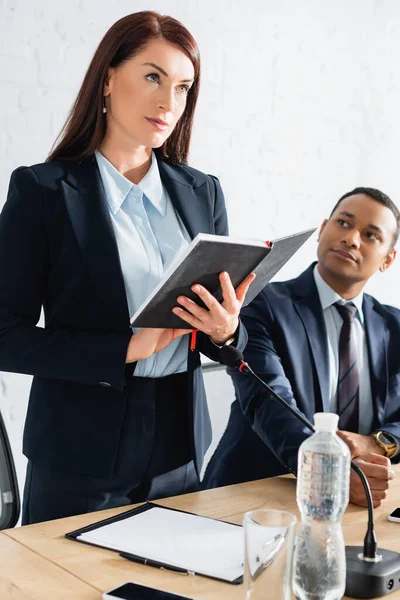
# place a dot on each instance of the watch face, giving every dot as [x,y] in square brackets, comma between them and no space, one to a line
[386,438]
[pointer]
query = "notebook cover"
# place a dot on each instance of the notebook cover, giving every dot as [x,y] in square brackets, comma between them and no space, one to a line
[282,251]
[203,265]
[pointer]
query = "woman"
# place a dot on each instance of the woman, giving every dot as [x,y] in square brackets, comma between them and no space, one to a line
[113,417]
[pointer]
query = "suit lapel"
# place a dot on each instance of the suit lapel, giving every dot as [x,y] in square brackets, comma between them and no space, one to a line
[191,203]
[375,330]
[87,209]
[309,309]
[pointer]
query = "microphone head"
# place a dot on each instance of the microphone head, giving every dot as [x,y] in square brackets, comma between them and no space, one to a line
[230,356]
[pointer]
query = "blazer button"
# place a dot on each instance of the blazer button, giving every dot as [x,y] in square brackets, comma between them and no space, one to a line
[104,384]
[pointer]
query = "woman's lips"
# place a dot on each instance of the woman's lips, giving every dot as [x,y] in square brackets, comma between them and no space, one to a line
[158,123]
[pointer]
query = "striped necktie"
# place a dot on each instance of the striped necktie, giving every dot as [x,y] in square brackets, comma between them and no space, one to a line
[349,379]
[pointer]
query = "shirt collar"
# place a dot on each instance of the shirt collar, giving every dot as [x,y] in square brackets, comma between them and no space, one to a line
[117,186]
[151,185]
[328,296]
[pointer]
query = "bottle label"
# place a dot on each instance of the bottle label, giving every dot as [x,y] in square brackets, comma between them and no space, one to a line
[323,485]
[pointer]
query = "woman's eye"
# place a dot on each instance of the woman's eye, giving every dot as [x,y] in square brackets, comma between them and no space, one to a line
[183,89]
[153,77]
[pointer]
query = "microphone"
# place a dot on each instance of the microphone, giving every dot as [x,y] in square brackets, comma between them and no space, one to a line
[369,574]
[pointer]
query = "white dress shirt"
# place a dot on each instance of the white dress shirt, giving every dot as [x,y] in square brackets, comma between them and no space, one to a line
[149,235]
[333,322]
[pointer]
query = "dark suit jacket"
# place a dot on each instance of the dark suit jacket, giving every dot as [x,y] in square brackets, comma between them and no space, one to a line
[58,250]
[288,349]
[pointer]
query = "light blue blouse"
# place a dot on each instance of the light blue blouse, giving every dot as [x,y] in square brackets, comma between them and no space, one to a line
[149,236]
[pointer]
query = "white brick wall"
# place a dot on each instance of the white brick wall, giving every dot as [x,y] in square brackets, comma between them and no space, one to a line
[299,103]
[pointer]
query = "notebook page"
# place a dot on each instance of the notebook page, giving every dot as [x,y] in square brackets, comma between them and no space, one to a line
[179,539]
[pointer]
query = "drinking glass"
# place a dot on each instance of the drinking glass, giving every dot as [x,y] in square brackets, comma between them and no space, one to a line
[269,540]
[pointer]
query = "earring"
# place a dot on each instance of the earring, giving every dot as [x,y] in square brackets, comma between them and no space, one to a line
[104,105]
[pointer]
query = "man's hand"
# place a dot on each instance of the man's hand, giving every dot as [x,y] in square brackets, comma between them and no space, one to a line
[360,444]
[379,474]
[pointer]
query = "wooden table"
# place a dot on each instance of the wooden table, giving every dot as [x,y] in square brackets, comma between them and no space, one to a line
[38,563]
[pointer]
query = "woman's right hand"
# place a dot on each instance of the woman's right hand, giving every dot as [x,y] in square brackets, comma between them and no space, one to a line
[146,342]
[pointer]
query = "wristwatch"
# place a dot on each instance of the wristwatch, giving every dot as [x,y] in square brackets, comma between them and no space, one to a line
[386,441]
[228,342]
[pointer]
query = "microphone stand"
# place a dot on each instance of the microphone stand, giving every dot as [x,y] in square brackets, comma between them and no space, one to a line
[368,574]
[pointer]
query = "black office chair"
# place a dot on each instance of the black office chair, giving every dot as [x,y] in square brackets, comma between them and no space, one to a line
[9,493]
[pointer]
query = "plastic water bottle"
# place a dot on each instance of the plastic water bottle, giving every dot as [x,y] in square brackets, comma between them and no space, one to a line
[322,496]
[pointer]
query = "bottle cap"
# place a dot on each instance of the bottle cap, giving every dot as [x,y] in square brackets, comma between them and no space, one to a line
[326,421]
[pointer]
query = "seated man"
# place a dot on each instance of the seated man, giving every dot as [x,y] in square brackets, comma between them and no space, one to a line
[324,345]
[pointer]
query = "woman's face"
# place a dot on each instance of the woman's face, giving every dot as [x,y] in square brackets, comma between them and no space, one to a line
[146,95]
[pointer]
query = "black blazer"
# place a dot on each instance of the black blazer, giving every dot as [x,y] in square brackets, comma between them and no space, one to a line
[288,349]
[58,250]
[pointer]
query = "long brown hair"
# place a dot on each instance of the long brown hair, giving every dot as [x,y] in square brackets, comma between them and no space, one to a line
[85,126]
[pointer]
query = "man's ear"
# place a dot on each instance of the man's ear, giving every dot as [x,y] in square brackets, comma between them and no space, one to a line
[322,228]
[388,260]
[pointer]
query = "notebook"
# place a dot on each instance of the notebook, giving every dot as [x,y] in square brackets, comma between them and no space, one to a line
[202,261]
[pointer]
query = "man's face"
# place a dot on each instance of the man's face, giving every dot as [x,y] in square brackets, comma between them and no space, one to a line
[356,241]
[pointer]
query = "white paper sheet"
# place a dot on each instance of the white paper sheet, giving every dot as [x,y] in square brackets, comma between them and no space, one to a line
[191,542]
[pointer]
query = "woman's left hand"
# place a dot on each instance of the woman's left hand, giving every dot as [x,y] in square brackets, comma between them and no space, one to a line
[221,320]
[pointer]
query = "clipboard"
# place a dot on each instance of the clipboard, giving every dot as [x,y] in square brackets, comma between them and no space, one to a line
[206,532]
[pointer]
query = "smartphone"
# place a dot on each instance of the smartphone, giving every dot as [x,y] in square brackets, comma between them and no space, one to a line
[395,515]
[134,591]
